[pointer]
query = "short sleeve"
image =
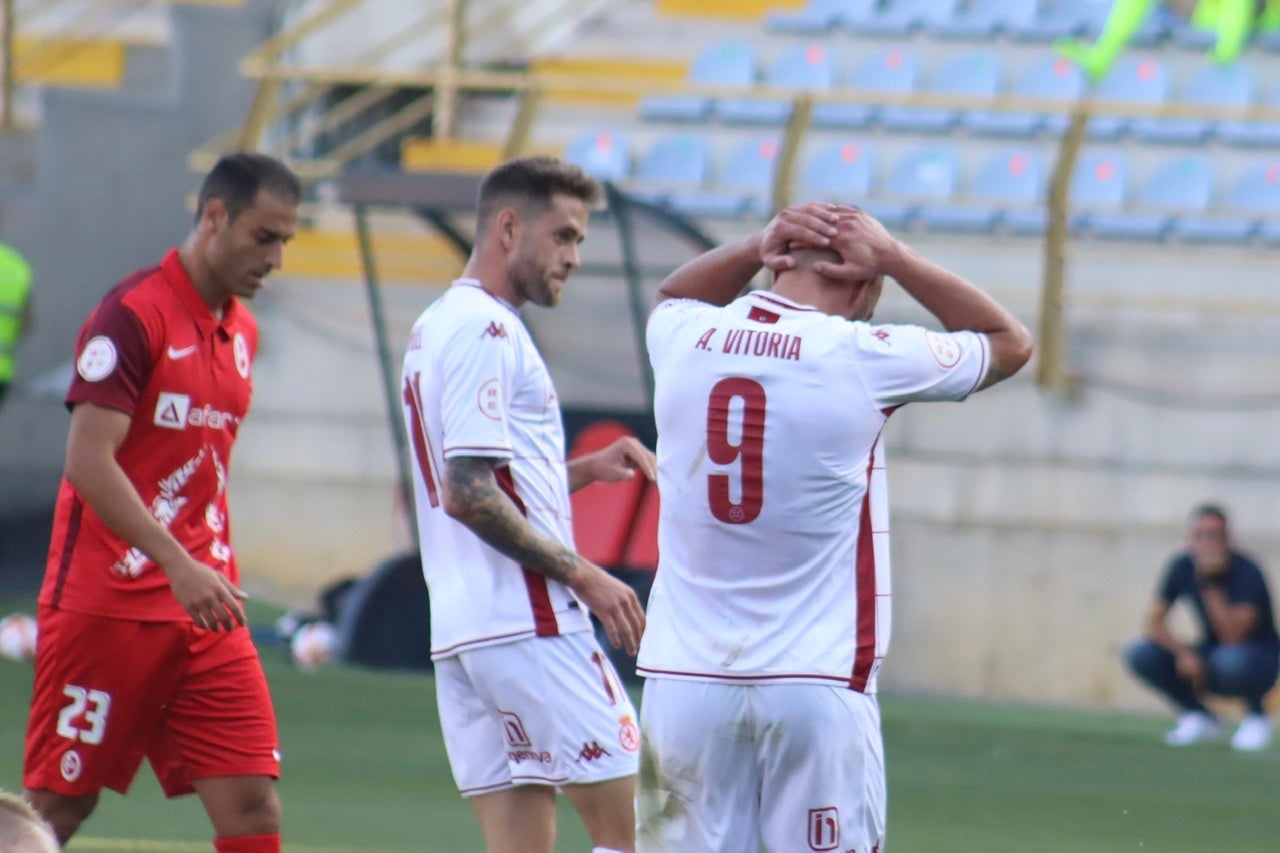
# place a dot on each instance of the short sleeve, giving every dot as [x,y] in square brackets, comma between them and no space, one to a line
[1247,584]
[903,364]
[113,360]
[477,368]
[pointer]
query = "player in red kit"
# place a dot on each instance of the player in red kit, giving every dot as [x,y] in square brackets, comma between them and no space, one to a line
[144,650]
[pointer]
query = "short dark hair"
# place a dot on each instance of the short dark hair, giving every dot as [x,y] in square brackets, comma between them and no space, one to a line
[1209,510]
[238,178]
[533,181]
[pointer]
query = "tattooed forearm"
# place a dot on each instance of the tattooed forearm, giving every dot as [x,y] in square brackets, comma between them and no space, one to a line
[473,497]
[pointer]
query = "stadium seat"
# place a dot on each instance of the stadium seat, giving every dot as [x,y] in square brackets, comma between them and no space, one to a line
[744,185]
[1213,85]
[1052,78]
[1099,183]
[1132,80]
[1251,205]
[731,63]
[806,66]
[1180,185]
[819,17]
[603,154]
[678,162]
[893,71]
[922,175]
[985,19]
[903,17]
[1253,134]
[1008,184]
[603,512]
[1055,19]
[840,171]
[975,74]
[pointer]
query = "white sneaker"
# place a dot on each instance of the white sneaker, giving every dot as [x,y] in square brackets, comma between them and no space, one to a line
[1253,735]
[1193,727]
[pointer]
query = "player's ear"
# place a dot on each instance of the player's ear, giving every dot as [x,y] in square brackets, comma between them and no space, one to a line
[506,224]
[214,213]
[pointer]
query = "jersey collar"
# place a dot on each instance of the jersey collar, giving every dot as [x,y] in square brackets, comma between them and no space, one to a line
[176,274]
[476,283]
[775,301]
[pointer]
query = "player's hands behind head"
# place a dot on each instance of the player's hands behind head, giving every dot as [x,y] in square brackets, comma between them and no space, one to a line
[866,247]
[811,225]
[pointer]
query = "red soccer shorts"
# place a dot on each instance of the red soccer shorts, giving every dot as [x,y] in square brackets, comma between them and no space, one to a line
[110,691]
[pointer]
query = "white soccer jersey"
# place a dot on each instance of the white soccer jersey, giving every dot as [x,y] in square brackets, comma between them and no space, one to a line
[774,532]
[475,385]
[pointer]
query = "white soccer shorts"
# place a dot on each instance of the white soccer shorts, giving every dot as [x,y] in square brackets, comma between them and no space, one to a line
[541,711]
[729,768]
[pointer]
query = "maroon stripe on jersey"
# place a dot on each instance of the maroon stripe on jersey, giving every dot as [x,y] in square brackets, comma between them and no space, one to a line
[421,444]
[865,579]
[544,615]
[68,547]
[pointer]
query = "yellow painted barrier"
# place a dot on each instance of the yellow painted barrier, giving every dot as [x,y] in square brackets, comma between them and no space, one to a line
[742,9]
[426,258]
[68,62]
[606,68]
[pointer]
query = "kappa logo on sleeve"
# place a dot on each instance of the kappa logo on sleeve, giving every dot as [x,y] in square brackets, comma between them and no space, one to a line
[495,330]
[945,350]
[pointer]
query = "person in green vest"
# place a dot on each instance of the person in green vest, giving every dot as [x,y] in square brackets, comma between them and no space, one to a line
[15,311]
[1233,20]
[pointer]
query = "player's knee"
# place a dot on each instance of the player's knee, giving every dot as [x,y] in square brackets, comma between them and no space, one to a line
[1233,665]
[1144,657]
[63,813]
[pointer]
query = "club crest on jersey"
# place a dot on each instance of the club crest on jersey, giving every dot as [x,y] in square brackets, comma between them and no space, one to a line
[495,330]
[489,399]
[629,735]
[70,765]
[240,349]
[97,359]
[945,350]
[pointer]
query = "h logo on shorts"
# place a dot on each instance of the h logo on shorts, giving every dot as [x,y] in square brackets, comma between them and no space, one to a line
[824,828]
[514,730]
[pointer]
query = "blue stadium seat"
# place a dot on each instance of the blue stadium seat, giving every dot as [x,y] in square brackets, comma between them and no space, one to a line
[894,71]
[603,154]
[902,17]
[806,66]
[1008,188]
[975,74]
[672,163]
[1213,85]
[1052,79]
[1056,19]
[1253,134]
[1099,183]
[840,171]
[1251,203]
[744,185]
[986,19]
[1181,185]
[1132,80]
[730,63]
[819,17]
[922,175]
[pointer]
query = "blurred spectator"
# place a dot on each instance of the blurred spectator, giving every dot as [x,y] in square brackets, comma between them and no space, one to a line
[1238,654]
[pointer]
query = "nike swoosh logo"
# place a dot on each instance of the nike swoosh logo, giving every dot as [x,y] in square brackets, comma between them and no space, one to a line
[176,354]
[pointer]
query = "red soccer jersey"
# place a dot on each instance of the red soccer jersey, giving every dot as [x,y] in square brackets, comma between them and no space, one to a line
[155,351]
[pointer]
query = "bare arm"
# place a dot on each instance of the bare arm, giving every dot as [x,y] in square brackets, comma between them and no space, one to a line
[619,461]
[473,497]
[956,303]
[97,432]
[1232,623]
[718,276]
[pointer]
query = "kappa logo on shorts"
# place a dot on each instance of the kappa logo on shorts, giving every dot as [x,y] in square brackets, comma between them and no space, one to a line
[824,828]
[592,751]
